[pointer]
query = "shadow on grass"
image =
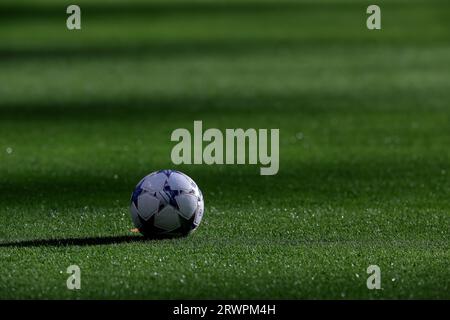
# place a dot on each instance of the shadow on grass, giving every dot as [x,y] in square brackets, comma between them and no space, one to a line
[134,10]
[89,241]
[148,49]
[128,106]
[361,181]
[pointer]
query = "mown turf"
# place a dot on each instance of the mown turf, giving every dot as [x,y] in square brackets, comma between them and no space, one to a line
[365,163]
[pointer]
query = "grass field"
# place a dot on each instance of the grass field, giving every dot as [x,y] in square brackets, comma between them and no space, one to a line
[364,121]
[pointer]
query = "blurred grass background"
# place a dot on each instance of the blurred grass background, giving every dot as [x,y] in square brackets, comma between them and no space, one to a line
[364,121]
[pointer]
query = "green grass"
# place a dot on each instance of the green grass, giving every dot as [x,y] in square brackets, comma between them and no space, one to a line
[87,114]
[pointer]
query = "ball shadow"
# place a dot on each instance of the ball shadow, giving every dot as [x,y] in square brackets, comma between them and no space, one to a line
[88,241]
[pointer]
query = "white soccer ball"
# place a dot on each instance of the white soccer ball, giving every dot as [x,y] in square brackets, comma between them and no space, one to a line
[166,203]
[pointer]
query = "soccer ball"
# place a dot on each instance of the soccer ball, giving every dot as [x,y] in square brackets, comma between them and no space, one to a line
[166,203]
